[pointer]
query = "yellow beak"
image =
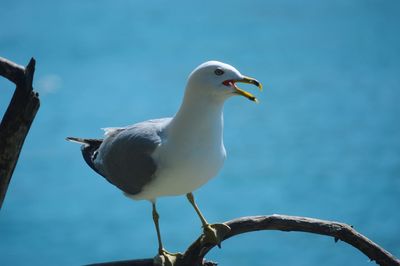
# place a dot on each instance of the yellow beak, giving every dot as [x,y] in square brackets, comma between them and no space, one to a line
[244,93]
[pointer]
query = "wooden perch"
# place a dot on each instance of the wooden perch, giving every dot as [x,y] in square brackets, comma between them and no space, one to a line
[194,255]
[17,120]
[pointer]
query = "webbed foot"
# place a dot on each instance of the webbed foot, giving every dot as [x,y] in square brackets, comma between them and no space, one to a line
[215,233]
[165,258]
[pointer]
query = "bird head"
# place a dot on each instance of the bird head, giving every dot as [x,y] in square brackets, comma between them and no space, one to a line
[219,80]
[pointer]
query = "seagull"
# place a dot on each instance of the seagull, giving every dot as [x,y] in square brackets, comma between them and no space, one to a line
[172,156]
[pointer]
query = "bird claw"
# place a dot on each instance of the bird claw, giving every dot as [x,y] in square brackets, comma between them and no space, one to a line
[165,258]
[215,233]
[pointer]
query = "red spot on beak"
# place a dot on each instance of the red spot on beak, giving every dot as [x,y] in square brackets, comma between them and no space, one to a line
[229,83]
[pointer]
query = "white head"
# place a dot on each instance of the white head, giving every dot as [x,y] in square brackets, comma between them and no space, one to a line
[218,81]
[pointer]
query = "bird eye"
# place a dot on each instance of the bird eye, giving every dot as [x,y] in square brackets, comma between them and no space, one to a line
[218,72]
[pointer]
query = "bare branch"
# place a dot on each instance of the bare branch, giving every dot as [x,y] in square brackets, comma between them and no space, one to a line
[194,255]
[140,262]
[17,120]
[196,252]
[11,71]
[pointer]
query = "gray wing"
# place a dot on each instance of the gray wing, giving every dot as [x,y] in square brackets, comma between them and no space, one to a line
[124,157]
[89,150]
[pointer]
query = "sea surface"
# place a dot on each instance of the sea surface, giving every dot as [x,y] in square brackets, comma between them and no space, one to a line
[324,142]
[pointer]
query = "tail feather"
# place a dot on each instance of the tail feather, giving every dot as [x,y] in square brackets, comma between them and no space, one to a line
[77,140]
[95,142]
[89,150]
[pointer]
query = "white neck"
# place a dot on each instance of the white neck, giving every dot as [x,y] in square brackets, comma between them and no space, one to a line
[199,120]
[192,151]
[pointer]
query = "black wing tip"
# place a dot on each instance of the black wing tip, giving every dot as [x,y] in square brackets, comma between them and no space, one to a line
[76,140]
[86,142]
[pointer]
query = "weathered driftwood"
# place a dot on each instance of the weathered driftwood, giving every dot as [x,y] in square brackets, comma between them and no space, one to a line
[17,119]
[194,255]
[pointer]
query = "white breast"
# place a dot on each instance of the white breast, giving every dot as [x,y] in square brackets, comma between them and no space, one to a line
[183,173]
[191,153]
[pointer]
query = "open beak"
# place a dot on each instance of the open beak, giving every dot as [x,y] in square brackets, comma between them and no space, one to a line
[237,90]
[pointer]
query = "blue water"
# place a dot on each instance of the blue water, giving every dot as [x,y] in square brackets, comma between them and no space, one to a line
[324,141]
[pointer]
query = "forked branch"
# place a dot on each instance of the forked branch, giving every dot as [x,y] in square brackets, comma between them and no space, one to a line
[17,119]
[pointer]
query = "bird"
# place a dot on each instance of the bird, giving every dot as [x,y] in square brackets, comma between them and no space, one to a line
[175,155]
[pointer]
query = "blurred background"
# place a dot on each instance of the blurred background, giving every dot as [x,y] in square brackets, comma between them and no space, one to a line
[323,142]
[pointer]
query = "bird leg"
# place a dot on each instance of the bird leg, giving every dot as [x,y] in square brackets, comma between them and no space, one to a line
[164,257]
[212,233]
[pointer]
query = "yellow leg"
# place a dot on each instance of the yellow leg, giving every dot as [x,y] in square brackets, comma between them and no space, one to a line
[164,257]
[213,233]
[191,200]
[156,217]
